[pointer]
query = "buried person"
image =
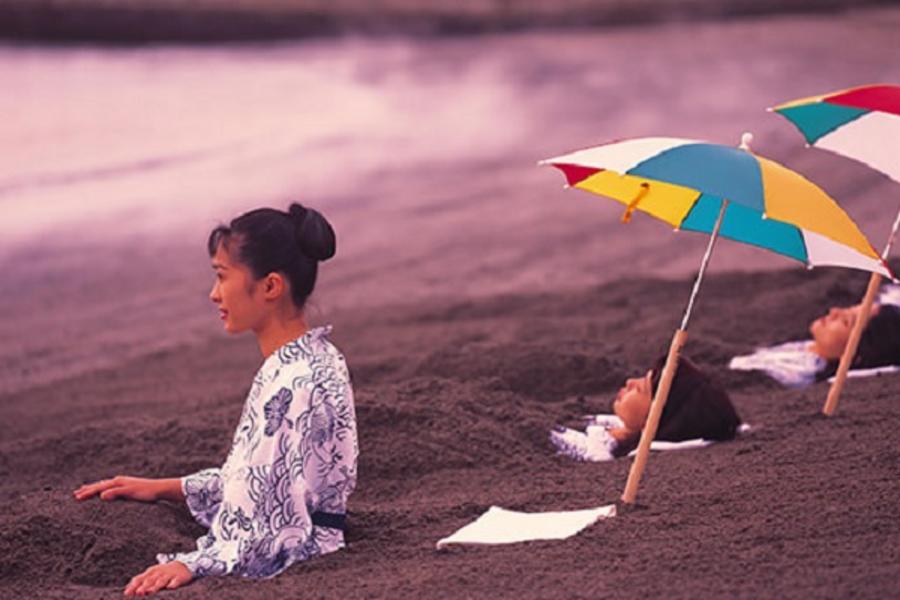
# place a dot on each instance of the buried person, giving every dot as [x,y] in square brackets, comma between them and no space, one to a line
[281,495]
[697,408]
[801,363]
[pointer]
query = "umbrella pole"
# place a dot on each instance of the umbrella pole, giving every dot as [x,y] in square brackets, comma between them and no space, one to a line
[668,374]
[834,392]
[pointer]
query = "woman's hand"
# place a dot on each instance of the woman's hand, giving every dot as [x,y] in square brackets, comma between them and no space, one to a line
[132,488]
[159,577]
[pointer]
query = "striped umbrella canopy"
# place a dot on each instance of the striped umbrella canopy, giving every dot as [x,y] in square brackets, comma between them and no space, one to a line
[685,182]
[862,123]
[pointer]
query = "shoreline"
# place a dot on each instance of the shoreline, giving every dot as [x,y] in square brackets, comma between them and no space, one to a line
[219,21]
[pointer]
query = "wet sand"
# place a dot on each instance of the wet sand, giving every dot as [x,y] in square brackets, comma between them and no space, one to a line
[478,304]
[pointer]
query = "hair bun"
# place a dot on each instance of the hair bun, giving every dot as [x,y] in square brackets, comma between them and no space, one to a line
[314,233]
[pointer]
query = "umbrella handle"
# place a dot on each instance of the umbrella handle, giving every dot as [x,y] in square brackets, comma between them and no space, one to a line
[834,392]
[890,242]
[840,377]
[656,409]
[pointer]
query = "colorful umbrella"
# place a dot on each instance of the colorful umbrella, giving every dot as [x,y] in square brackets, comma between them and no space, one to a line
[723,191]
[684,182]
[862,123]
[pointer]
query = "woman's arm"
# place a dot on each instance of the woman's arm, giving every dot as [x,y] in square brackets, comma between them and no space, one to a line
[132,488]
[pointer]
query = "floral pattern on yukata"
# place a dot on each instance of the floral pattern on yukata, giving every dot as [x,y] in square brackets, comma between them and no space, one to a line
[594,444]
[294,452]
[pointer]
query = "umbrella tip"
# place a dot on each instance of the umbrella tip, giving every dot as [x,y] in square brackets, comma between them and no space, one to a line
[746,140]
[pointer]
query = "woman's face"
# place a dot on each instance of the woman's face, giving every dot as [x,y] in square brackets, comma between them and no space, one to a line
[236,293]
[831,331]
[632,403]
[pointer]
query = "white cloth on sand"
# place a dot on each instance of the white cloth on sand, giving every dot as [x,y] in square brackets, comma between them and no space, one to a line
[889,294]
[596,443]
[869,372]
[501,526]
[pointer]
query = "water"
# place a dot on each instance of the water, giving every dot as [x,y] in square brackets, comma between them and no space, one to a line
[156,137]
[160,138]
[114,165]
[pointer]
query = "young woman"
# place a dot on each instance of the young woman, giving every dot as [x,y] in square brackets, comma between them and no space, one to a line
[801,363]
[281,495]
[697,408]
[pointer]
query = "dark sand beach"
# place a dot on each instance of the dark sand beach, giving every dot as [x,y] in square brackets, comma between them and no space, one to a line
[454,401]
[478,304]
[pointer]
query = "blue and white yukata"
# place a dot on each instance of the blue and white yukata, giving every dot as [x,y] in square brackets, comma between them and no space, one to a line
[595,444]
[281,495]
[792,364]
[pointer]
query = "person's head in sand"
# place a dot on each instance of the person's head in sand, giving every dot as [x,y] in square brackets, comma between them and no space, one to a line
[831,331]
[879,344]
[266,263]
[697,407]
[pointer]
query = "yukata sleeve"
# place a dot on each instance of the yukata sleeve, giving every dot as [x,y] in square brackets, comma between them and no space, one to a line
[265,526]
[303,459]
[203,494]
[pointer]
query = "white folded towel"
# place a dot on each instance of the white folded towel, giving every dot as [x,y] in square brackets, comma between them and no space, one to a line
[502,526]
[662,446]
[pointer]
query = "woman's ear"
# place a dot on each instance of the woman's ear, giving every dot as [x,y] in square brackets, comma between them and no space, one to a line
[274,286]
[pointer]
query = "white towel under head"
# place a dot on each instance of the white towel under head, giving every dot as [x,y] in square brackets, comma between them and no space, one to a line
[501,526]
[873,372]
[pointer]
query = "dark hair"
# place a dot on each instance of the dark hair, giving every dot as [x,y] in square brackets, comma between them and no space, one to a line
[697,407]
[273,241]
[879,344]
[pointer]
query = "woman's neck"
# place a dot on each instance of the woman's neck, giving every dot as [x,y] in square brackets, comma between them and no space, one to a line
[278,331]
[813,348]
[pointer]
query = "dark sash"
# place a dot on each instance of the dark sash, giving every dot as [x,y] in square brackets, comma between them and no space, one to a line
[332,520]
